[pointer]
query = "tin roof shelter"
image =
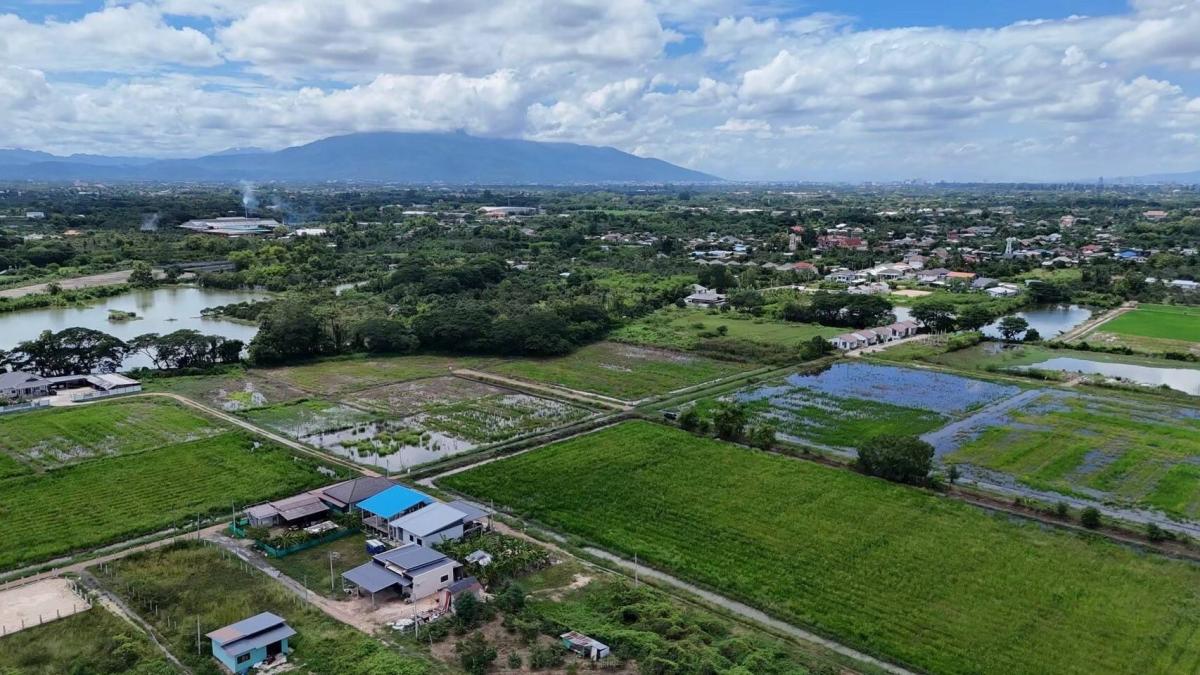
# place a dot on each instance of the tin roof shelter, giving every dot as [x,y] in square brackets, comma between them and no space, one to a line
[249,642]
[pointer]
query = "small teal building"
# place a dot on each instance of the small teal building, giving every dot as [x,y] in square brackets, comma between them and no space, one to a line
[247,643]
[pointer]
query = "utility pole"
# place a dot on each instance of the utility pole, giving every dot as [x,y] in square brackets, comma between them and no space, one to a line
[331,572]
[197,635]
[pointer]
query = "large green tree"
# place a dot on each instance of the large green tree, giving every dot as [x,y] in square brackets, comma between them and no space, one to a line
[903,459]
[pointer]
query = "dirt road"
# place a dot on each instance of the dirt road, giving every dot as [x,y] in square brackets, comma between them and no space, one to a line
[106,279]
[583,397]
[1095,322]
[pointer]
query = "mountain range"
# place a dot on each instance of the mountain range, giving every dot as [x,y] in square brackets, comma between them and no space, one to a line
[392,157]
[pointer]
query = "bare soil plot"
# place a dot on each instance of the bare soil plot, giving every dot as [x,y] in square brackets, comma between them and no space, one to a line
[36,603]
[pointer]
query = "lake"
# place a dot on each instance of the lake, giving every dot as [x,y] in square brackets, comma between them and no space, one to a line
[159,310]
[1049,320]
[1186,380]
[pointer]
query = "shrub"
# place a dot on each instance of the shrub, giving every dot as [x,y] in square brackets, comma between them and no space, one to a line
[1090,518]
[476,654]
[1062,510]
[546,656]
[903,459]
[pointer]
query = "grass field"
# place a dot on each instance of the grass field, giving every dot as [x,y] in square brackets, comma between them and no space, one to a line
[94,642]
[1115,449]
[621,371]
[684,329]
[190,582]
[233,390]
[311,566]
[1152,328]
[310,416]
[990,355]
[99,502]
[933,583]
[1167,322]
[58,436]
[355,374]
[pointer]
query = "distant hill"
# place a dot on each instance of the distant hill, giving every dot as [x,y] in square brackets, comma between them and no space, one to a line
[373,157]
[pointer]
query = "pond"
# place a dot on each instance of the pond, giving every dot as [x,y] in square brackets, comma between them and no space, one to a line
[1049,320]
[159,310]
[1186,380]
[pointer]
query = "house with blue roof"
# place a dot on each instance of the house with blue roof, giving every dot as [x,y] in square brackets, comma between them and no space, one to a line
[391,504]
[249,642]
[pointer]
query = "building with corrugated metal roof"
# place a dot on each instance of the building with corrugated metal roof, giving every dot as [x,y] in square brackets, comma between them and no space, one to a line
[250,642]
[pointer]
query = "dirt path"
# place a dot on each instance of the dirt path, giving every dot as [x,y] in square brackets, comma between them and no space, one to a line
[117,606]
[749,612]
[549,390]
[239,422]
[106,279]
[744,611]
[1095,322]
[331,607]
[79,567]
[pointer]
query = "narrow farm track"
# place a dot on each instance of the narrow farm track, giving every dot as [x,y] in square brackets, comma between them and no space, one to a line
[584,397]
[1095,322]
[118,607]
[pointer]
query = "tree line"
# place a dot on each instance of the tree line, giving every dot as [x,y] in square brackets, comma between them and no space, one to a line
[79,351]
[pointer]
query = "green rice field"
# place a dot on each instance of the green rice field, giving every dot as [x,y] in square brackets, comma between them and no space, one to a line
[1152,328]
[626,372]
[932,583]
[58,436]
[103,501]
[1167,322]
[1114,449]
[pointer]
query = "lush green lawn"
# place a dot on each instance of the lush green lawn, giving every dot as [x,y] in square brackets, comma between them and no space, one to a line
[676,328]
[311,566]
[621,371]
[358,373]
[94,642]
[1166,322]
[190,582]
[930,582]
[1136,453]
[49,438]
[103,501]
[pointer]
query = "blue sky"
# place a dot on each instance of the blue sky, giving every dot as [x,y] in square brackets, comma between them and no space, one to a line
[752,89]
